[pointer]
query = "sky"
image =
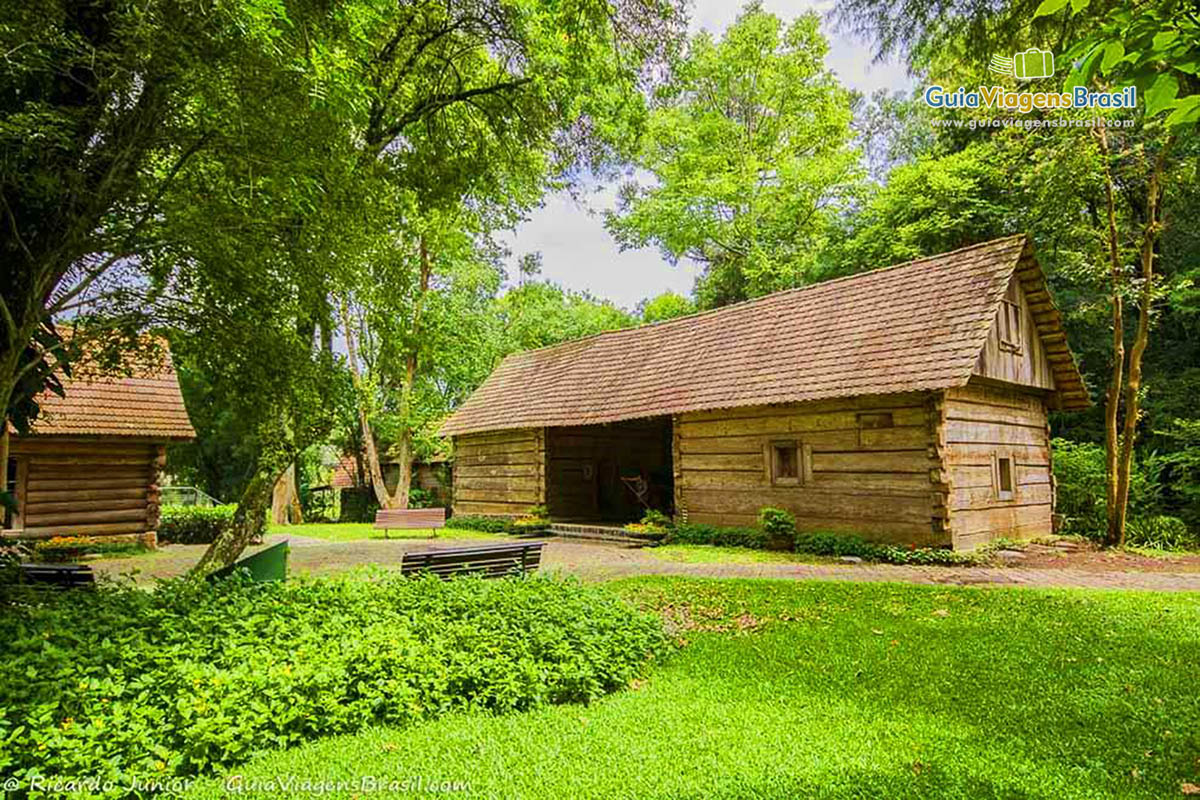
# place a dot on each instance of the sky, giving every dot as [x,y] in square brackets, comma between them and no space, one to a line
[579,253]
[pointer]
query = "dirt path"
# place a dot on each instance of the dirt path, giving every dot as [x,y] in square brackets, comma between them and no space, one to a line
[601,562]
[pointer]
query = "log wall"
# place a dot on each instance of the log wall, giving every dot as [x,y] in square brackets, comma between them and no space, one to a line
[87,487]
[881,482]
[500,472]
[983,423]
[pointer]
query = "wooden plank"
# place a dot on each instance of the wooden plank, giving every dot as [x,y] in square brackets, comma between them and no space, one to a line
[885,402]
[113,528]
[980,454]
[522,484]
[902,438]
[528,459]
[892,462]
[508,448]
[59,484]
[471,507]
[528,497]
[881,482]
[494,437]
[1005,521]
[54,448]
[824,504]
[970,432]
[84,517]
[745,462]
[465,471]
[982,497]
[959,410]
[40,505]
[795,423]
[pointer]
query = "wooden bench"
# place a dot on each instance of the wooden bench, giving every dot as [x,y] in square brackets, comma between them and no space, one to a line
[427,519]
[492,560]
[58,576]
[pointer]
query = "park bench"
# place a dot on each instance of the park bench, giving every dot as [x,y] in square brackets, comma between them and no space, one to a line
[491,560]
[57,576]
[410,519]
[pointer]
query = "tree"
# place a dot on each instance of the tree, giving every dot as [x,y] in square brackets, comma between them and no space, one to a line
[667,305]
[749,150]
[542,313]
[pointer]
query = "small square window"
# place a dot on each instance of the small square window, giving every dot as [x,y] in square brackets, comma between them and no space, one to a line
[785,463]
[1004,477]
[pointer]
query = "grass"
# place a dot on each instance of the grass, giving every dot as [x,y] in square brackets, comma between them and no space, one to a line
[715,554]
[837,690]
[356,531]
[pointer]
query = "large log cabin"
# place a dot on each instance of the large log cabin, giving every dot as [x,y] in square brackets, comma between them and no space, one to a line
[906,404]
[91,465]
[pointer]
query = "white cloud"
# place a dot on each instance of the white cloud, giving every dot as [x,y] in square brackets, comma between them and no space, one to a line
[577,250]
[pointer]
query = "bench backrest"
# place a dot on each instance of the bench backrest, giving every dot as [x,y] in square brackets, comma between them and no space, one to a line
[64,576]
[493,561]
[416,518]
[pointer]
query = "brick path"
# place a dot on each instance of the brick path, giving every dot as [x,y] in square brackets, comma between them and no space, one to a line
[600,562]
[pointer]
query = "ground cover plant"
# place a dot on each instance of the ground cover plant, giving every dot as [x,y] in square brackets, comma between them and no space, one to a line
[194,524]
[787,690]
[356,531]
[196,676]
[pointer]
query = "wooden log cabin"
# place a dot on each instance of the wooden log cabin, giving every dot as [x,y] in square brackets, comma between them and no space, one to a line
[90,467]
[906,404]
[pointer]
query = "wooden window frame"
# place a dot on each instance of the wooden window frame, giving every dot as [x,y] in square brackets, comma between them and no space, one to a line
[1009,326]
[803,462]
[18,521]
[1002,494]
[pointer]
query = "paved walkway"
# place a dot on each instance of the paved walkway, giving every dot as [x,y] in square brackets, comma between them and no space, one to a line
[601,562]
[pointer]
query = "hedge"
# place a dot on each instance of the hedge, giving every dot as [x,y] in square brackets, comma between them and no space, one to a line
[194,524]
[195,677]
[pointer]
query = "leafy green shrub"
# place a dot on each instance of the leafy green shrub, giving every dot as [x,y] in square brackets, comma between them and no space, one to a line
[690,533]
[1160,532]
[839,544]
[1079,474]
[194,677]
[654,524]
[194,524]
[780,527]
[470,522]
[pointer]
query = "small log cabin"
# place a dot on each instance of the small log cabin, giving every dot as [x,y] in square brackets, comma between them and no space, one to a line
[91,465]
[906,404]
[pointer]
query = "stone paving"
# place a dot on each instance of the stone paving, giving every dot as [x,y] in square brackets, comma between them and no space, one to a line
[591,561]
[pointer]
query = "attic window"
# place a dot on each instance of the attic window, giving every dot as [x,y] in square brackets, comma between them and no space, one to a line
[1009,324]
[785,463]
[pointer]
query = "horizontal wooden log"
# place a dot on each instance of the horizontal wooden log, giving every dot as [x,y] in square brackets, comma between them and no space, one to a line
[463,471]
[903,438]
[526,484]
[1027,519]
[84,495]
[796,423]
[963,431]
[107,460]
[37,505]
[493,496]
[49,531]
[83,517]
[982,454]
[497,437]
[860,403]
[822,504]
[100,483]
[957,411]
[744,462]
[883,482]
[488,450]
[99,448]
[889,462]
[470,507]
[984,497]
[529,458]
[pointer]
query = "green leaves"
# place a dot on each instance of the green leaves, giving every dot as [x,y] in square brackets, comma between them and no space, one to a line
[1113,52]
[1161,94]
[1049,7]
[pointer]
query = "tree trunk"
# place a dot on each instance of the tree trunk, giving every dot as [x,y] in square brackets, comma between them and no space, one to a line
[249,522]
[374,470]
[285,499]
[1112,406]
[1141,340]
[404,456]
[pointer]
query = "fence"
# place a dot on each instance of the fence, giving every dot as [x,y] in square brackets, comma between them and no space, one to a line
[186,496]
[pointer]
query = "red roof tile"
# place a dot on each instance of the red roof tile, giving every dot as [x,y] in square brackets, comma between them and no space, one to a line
[146,404]
[914,326]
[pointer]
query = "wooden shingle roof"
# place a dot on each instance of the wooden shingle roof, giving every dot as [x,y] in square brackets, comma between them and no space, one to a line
[145,404]
[910,327]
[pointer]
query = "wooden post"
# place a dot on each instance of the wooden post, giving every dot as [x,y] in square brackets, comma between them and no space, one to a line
[154,495]
[677,471]
[939,476]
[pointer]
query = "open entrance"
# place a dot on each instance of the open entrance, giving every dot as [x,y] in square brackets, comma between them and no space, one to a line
[609,473]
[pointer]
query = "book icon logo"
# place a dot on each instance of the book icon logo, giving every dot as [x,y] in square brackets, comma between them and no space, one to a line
[1025,66]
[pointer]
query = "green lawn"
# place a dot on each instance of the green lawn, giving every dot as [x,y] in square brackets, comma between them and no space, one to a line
[354,531]
[714,554]
[839,690]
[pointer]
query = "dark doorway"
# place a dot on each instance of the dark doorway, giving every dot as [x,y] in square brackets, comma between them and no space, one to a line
[609,473]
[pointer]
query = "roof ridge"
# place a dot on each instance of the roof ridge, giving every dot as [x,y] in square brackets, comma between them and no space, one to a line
[765,297]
